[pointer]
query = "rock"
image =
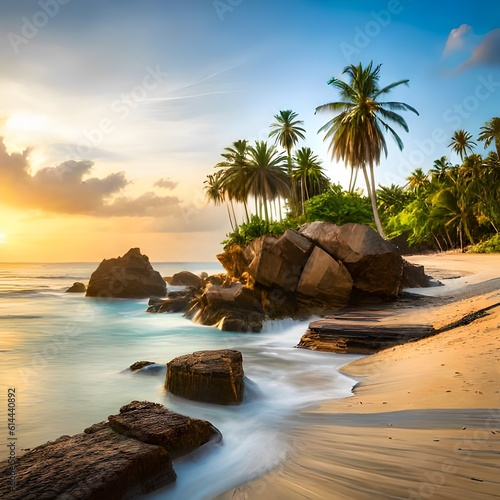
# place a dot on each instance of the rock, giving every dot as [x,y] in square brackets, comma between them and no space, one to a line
[77,288]
[359,335]
[98,464]
[325,280]
[124,458]
[185,278]
[154,424]
[130,276]
[170,305]
[278,262]
[234,261]
[230,307]
[414,276]
[208,376]
[375,264]
[138,365]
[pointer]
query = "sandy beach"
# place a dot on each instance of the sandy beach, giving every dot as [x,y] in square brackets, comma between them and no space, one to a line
[424,417]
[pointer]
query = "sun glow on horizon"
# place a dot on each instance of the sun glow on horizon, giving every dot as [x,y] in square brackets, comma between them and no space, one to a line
[3,238]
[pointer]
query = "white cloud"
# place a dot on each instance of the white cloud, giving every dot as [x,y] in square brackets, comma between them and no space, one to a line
[457,38]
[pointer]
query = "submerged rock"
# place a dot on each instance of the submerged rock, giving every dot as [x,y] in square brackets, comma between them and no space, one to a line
[130,276]
[77,288]
[207,376]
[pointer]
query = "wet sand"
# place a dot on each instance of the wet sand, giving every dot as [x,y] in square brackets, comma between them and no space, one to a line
[424,417]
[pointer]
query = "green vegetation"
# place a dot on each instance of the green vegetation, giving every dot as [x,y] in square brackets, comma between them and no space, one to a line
[339,207]
[246,232]
[489,246]
[268,188]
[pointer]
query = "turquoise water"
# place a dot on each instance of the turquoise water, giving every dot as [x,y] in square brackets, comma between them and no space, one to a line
[66,355]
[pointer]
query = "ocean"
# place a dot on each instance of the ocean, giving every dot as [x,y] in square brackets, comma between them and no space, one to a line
[67,357]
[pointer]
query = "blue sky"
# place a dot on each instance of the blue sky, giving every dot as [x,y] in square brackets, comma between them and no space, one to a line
[143,96]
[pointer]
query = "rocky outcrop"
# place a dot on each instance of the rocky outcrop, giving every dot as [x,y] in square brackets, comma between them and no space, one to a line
[77,288]
[130,276]
[375,264]
[124,458]
[316,271]
[208,376]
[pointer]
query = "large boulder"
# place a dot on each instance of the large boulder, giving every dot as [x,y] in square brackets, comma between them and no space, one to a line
[152,423]
[130,276]
[278,262]
[375,264]
[98,463]
[325,280]
[208,376]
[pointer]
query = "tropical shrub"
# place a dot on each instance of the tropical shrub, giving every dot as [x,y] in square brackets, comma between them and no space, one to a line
[246,232]
[489,246]
[339,207]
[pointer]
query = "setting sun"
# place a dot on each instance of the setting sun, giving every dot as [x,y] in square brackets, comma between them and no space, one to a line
[2,238]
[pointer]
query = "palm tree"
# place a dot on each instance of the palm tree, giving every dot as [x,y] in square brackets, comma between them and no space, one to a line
[309,173]
[462,143]
[490,132]
[287,131]
[439,169]
[418,180]
[356,133]
[234,177]
[214,191]
[267,176]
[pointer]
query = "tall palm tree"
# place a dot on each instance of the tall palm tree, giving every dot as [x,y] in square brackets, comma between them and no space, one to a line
[234,177]
[267,176]
[462,143]
[307,170]
[356,133]
[286,130]
[490,132]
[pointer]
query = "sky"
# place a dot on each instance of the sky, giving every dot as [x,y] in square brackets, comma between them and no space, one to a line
[112,113]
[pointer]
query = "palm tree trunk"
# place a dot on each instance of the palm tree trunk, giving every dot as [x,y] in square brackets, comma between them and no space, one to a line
[371,193]
[229,215]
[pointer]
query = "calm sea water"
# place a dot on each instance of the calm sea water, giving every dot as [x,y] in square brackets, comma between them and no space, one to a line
[67,357]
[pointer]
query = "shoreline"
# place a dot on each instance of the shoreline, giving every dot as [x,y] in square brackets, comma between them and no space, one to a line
[424,417]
